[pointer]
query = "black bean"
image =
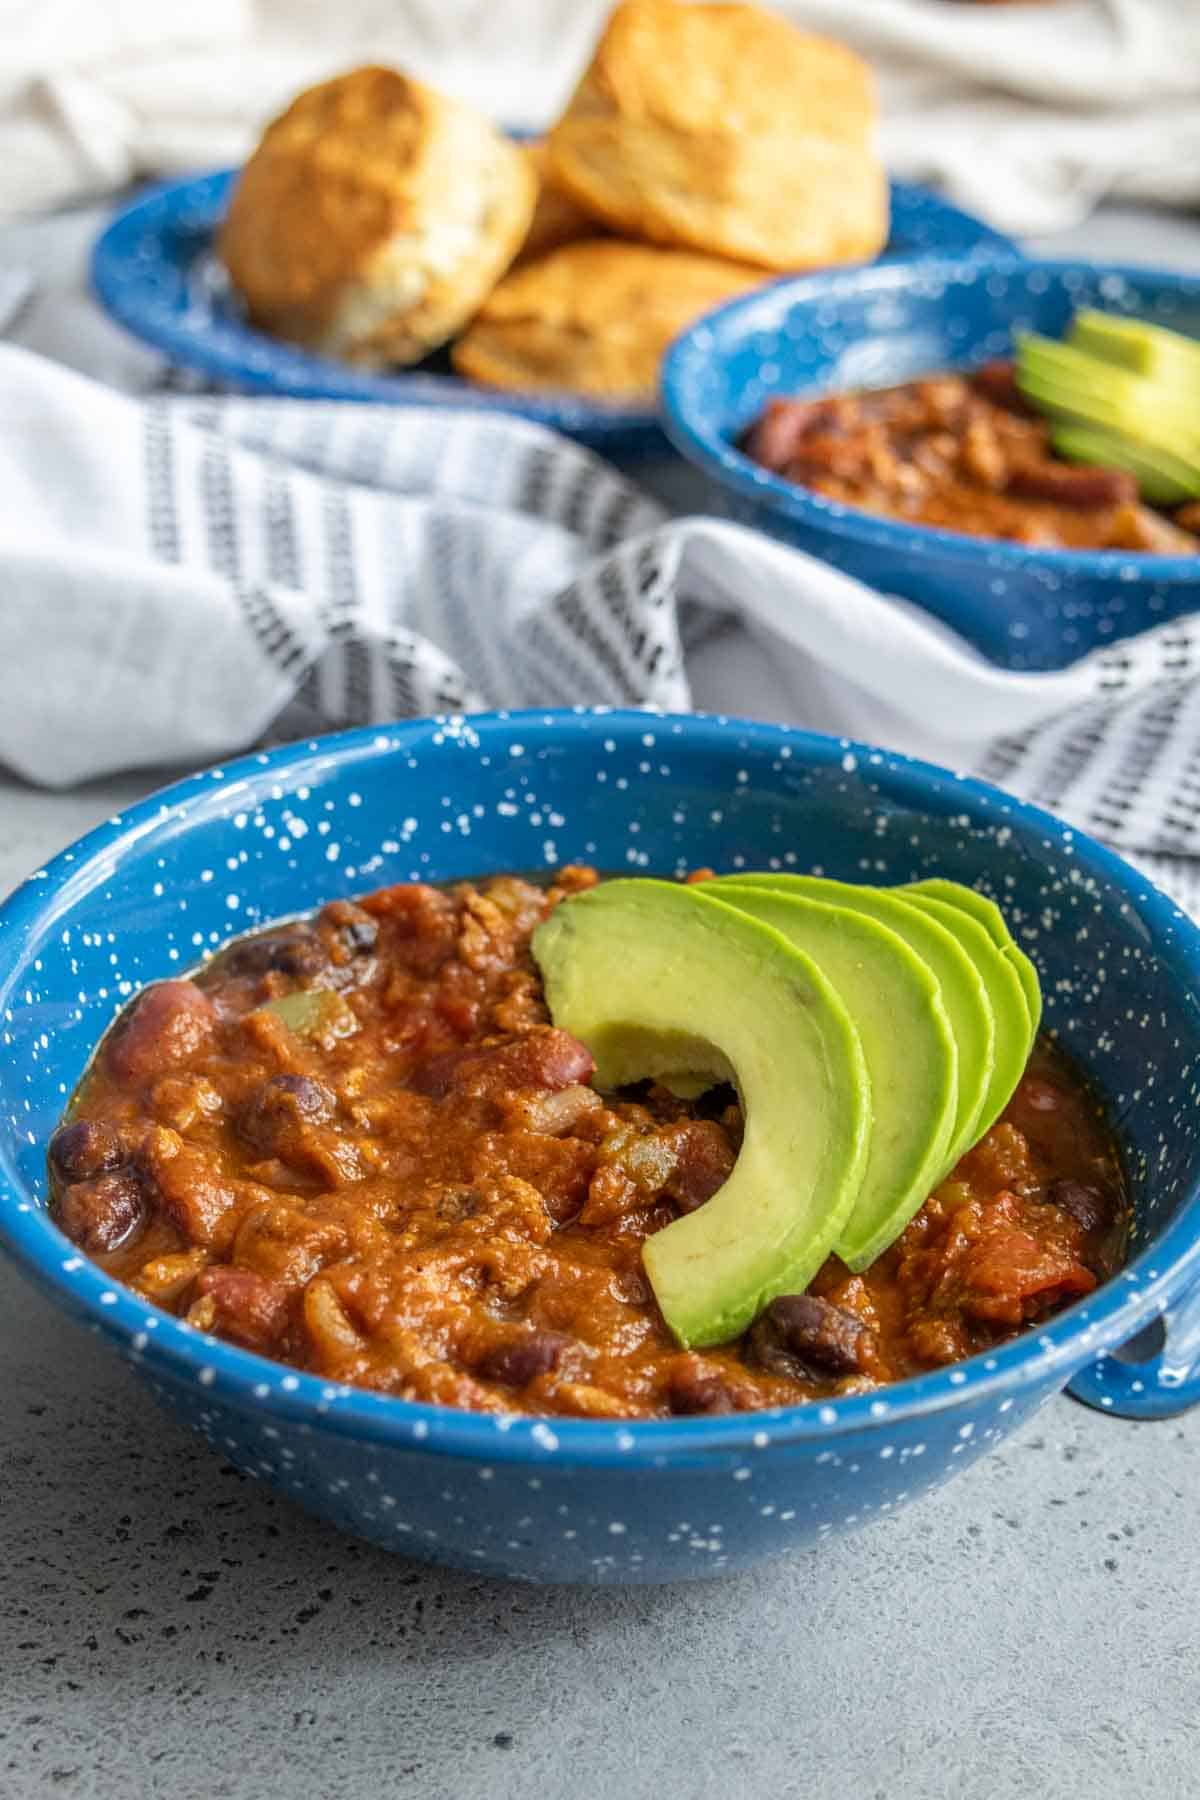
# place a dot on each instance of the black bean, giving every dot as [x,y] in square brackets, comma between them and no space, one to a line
[521,1359]
[103,1213]
[1088,1206]
[277,1110]
[85,1148]
[799,1335]
[294,950]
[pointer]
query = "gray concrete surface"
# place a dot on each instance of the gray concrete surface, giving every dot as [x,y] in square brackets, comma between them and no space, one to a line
[172,1629]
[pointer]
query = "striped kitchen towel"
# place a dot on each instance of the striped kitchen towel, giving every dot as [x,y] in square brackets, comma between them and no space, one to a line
[185,575]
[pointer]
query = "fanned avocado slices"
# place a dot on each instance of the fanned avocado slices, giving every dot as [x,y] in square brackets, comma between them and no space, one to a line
[963,992]
[873,1036]
[912,1058]
[653,977]
[1014,1038]
[1148,350]
[989,915]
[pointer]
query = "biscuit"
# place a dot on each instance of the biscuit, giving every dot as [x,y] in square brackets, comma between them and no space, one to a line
[724,128]
[557,220]
[594,318]
[374,217]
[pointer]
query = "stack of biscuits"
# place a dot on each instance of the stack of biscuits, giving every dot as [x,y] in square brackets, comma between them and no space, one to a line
[706,148]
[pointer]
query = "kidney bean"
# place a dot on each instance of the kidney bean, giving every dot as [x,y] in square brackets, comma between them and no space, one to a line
[172,1022]
[103,1213]
[85,1148]
[1088,1206]
[705,1159]
[520,1360]
[248,1307]
[542,1058]
[799,1334]
[997,382]
[1084,488]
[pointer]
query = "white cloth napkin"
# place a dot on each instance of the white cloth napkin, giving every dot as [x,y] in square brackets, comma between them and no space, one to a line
[181,575]
[1027,113]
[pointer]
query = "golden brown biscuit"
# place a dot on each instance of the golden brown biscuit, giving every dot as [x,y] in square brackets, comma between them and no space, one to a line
[374,217]
[557,220]
[594,318]
[725,128]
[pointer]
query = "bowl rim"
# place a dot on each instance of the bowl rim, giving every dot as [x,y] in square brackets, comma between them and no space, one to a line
[246,1381]
[724,332]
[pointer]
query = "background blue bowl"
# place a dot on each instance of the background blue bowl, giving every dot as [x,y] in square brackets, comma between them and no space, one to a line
[1024,608]
[154,271]
[585,1500]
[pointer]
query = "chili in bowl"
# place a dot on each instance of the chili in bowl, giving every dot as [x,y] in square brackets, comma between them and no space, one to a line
[870,418]
[465,1431]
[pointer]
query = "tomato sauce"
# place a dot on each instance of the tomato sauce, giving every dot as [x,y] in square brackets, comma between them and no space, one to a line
[355,1143]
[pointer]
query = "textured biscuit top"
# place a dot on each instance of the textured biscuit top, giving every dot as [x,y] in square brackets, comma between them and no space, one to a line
[351,165]
[738,68]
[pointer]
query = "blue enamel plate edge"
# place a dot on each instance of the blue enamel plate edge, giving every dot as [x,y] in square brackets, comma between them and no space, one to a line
[242,1378]
[144,272]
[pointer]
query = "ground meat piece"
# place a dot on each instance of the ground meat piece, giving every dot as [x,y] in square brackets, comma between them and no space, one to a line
[423,921]
[189,1189]
[799,1334]
[542,1058]
[347,931]
[170,1024]
[103,1213]
[279,1240]
[85,1148]
[247,1307]
[518,1360]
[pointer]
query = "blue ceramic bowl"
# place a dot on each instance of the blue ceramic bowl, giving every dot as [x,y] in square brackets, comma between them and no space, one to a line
[154,271]
[1022,607]
[573,1500]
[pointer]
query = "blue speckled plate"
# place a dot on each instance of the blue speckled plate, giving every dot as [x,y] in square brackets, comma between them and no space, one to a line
[154,270]
[1024,606]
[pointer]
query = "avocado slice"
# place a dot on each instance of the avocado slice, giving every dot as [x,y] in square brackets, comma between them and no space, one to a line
[964,994]
[1014,1036]
[1163,478]
[1148,350]
[1060,379]
[655,977]
[989,915]
[912,1058]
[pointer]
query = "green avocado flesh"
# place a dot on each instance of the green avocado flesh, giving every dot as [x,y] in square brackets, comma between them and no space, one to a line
[655,977]
[909,1047]
[1014,1039]
[1149,350]
[1121,394]
[970,900]
[1163,479]
[964,995]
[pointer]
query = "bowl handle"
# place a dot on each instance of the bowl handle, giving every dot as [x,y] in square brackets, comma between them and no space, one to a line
[1165,1382]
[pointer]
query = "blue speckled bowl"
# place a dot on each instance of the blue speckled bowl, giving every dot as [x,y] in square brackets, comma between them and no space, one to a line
[1022,607]
[154,271]
[574,1500]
